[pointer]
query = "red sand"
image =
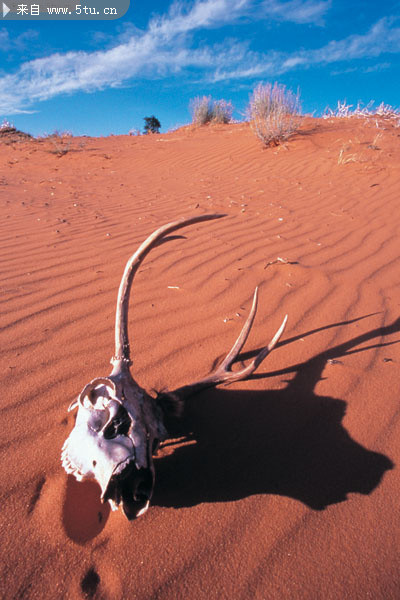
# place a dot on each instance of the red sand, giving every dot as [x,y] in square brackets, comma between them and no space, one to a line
[289,487]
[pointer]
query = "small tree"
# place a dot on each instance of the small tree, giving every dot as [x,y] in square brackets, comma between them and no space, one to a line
[152,125]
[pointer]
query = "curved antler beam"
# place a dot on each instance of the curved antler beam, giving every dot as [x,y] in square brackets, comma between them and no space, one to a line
[122,348]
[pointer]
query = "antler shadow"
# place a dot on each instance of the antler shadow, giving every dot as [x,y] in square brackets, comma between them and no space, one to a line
[289,442]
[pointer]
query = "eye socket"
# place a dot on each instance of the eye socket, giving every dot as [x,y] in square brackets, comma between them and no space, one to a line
[119,425]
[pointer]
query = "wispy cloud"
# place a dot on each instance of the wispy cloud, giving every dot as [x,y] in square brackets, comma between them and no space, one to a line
[378,67]
[167,48]
[297,11]
[215,13]
[383,37]
[17,43]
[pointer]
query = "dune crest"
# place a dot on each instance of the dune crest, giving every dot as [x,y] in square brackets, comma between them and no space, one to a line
[282,486]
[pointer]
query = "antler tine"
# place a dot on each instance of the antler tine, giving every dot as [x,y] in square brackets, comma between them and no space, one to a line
[244,334]
[223,374]
[122,350]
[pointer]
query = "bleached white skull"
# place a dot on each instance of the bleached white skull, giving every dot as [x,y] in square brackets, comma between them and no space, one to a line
[112,441]
[118,425]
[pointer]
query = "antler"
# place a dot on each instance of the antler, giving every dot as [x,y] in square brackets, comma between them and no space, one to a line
[122,350]
[223,373]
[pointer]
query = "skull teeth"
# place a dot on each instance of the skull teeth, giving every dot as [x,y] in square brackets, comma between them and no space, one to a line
[144,509]
[69,467]
[114,505]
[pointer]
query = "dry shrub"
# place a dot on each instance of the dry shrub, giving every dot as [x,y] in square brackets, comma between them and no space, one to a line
[347,110]
[221,111]
[201,110]
[274,112]
[381,112]
[10,134]
[206,110]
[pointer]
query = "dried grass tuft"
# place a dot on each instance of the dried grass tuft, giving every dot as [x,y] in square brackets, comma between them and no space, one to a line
[344,110]
[206,110]
[274,113]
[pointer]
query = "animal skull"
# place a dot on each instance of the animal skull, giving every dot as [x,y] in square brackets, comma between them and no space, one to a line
[118,425]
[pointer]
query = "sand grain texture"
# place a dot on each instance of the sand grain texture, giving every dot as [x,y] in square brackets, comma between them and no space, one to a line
[289,486]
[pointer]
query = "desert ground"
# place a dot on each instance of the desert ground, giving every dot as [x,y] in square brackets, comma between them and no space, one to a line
[283,486]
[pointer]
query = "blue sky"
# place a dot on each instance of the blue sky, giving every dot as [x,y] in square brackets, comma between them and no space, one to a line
[103,77]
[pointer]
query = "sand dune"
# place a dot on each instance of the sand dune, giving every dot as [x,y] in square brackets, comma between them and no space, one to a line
[288,487]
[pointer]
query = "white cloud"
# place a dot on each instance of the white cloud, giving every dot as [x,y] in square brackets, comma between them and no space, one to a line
[17,43]
[378,67]
[215,13]
[166,48]
[382,38]
[297,11]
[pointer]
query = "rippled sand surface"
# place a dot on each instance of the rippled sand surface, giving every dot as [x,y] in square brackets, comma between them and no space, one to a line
[288,486]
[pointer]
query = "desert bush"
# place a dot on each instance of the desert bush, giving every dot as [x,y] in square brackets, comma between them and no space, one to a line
[6,124]
[274,112]
[201,110]
[344,110]
[58,135]
[10,134]
[206,110]
[222,111]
